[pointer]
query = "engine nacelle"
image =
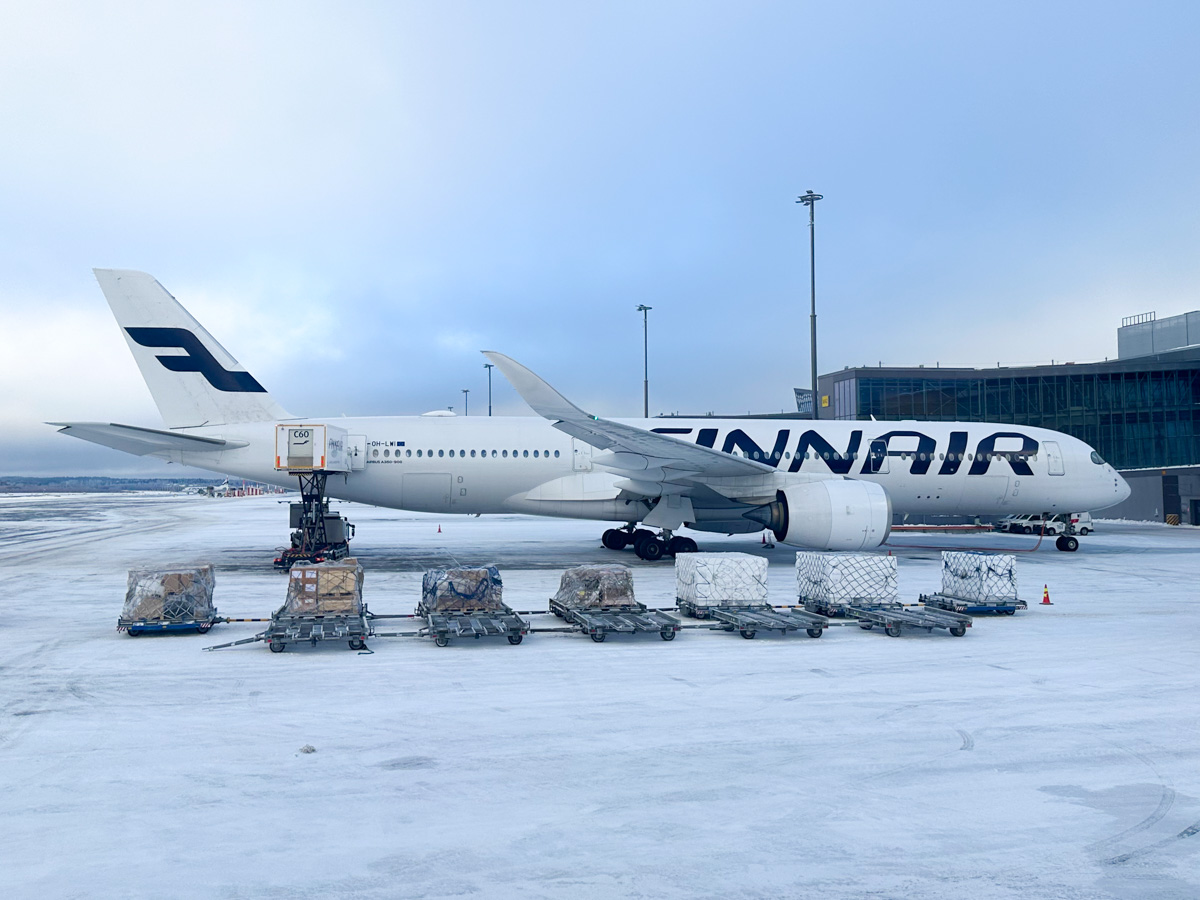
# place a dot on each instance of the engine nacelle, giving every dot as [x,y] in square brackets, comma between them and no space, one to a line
[829,515]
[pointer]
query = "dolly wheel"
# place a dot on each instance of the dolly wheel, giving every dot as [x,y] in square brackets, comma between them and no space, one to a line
[598,637]
[1009,612]
[893,631]
[357,644]
[133,632]
[277,646]
[814,632]
[667,634]
[748,634]
[441,640]
[204,627]
[958,630]
[515,638]
[865,626]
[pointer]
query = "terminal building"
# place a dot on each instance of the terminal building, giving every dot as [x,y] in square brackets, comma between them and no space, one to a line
[1141,411]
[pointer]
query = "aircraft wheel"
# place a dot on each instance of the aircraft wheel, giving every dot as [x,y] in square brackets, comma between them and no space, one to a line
[651,549]
[1070,543]
[679,545]
[614,539]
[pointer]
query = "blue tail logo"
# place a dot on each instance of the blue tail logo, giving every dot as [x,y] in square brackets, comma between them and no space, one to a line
[196,359]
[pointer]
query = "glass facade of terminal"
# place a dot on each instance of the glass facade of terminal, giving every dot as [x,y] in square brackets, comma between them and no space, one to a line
[1136,413]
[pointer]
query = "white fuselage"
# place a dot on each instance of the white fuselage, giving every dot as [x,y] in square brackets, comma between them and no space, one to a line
[476,465]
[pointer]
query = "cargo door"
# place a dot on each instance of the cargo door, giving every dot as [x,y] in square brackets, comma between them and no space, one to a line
[1054,457]
[581,455]
[426,492]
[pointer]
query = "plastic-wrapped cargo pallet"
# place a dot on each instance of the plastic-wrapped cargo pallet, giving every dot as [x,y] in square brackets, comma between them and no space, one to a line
[325,589]
[841,579]
[721,579]
[596,587]
[461,591]
[170,595]
[979,577]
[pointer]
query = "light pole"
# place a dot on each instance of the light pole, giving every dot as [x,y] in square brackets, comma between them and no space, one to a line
[489,367]
[810,200]
[644,309]
[466,408]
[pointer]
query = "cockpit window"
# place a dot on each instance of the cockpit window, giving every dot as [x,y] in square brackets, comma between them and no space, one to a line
[1097,459]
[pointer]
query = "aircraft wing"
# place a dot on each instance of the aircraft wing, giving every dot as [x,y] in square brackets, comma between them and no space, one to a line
[652,465]
[142,441]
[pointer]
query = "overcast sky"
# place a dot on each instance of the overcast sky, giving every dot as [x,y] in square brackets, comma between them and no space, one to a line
[356,198]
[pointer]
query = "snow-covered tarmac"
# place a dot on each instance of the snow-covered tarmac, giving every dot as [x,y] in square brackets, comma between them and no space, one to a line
[1054,754]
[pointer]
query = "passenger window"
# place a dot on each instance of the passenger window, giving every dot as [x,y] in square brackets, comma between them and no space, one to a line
[375,453]
[441,453]
[556,454]
[418,453]
[387,453]
[525,453]
[460,453]
[535,454]
[493,454]
[505,454]
[472,454]
[408,453]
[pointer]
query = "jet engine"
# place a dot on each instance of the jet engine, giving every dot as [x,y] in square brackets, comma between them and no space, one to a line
[829,515]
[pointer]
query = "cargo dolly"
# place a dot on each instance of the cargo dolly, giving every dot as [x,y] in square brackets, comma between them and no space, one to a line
[444,626]
[137,627]
[633,618]
[959,605]
[296,629]
[748,620]
[893,618]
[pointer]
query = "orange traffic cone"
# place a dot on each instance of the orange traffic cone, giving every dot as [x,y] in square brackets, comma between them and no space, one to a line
[1046,595]
[439,529]
[764,537]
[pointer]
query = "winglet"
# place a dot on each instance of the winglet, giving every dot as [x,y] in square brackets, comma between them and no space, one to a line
[543,399]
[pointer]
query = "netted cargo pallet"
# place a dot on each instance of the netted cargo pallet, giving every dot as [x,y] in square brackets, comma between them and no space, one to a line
[462,590]
[444,626]
[721,579]
[893,619]
[178,598]
[826,583]
[634,618]
[596,587]
[982,578]
[749,620]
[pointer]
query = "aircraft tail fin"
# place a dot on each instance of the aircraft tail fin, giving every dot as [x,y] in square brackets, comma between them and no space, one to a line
[193,379]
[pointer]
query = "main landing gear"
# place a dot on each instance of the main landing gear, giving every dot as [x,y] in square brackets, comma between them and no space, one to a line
[646,544]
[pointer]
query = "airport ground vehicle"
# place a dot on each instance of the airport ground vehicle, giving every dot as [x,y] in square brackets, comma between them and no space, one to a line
[1032,523]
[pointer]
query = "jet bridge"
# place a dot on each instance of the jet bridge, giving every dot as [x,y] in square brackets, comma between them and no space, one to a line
[312,453]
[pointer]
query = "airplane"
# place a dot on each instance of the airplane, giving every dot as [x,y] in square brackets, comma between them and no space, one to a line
[823,484]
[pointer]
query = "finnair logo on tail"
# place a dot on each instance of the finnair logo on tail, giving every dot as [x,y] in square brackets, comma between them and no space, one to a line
[196,359]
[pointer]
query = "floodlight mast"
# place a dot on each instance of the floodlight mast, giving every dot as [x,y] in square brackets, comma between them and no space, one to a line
[810,200]
[644,309]
[466,408]
[489,367]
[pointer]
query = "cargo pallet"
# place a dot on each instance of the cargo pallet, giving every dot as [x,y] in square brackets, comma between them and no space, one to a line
[294,629]
[748,620]
[959,605]
[136,627]
[443,626]
[628,619]
[894,618]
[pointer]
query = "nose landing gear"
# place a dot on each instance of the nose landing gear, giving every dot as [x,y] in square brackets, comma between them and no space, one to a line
[1068,543]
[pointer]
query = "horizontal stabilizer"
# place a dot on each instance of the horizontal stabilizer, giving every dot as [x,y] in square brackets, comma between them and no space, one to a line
[142,441]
